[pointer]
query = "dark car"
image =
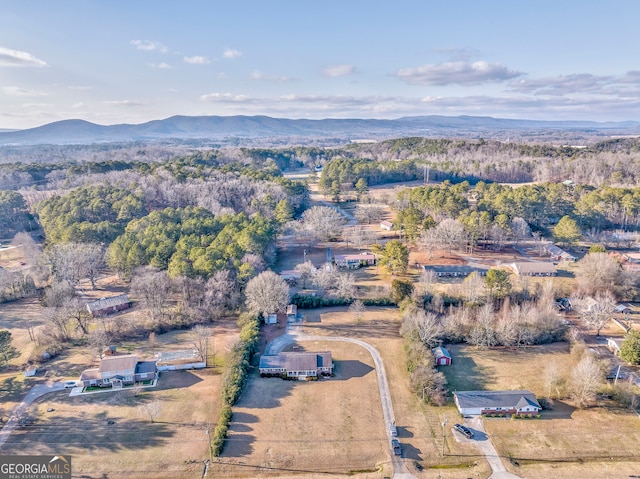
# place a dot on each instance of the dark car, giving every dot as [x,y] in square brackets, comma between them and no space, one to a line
[397,450]
[464,430]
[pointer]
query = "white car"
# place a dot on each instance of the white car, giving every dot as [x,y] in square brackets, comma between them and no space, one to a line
[70,384]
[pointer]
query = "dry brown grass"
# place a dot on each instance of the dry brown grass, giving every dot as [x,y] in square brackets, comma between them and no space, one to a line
[336,426]
[174,446]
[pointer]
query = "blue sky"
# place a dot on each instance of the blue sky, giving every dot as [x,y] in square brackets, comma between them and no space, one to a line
[133,61]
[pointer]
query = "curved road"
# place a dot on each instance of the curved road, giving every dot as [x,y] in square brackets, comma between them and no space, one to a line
[36,391]
[295,334]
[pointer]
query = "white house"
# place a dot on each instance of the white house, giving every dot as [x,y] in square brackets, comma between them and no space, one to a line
[473,403]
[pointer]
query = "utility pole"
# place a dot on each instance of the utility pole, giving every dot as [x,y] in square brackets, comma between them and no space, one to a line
[444,424]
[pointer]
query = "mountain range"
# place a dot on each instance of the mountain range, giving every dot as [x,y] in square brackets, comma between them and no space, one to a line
[225,128]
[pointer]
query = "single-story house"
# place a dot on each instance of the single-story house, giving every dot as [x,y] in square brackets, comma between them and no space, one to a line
[520,402]
[534,269]
[292,313]
[455,270]
[614,344]
[442,356]
[386,225]
[110,305]
[297,364]
[353,261]
[558,254]
[117,371]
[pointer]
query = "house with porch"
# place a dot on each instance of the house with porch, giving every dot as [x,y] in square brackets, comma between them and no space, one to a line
[502,403]
[297,364]
[119,371]
[354,261]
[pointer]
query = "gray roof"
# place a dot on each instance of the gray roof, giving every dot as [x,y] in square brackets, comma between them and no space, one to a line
[491,399]
[441,351]
[297,361]
[118,363]
[104,303]
[146,367]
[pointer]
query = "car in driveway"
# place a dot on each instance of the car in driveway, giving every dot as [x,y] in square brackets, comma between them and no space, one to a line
[393,430]
[463,430]
[397,450]
[70,384]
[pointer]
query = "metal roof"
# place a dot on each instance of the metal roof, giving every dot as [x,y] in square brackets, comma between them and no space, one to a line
[104,303]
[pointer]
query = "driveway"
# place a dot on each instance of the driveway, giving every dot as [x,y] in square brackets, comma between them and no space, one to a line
[295,333]
[36,392]
[483,442]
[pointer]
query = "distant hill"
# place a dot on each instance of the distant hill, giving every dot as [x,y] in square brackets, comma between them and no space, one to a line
[224,128]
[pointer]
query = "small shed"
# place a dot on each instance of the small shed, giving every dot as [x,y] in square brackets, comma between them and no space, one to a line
[386,225]
[271,318]
[32,371]
[441,356]
[292,313]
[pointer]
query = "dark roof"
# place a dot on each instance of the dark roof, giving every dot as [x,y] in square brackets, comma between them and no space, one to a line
[145,367]
[297,361]
[490,399]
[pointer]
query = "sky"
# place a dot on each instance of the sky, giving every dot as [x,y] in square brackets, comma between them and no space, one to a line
[118,61]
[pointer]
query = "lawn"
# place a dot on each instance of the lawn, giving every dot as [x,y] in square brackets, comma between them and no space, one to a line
[566,442]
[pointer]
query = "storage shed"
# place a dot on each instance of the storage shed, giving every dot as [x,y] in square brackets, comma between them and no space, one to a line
[441,356]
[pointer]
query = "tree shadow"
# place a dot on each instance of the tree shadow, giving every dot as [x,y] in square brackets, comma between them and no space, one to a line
[350,368]
[404,432]
[411,452]
[88,432]
[177,379]
[561,410]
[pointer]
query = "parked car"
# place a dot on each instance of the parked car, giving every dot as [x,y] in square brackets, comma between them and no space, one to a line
[393,430]
[70,384]
[397,450]
[463,430]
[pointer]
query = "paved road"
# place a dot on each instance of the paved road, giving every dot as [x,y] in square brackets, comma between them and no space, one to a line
[296,333]
[36,391]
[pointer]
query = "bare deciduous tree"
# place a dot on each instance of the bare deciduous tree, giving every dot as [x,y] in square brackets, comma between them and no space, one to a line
[597,272]
[151,409]
[267,292]
[553,378]
[199,338]
[322,222]
[358,309]
[448,234]
[98,341]
[221,294]
[306,270]
[597,311]
[422,325]
[153,288]
[585,380]
[369,214]
[429,384]
[473,288]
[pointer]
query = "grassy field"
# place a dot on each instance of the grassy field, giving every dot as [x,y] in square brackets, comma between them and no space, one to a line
[566,442]
[108,437]
[331,427]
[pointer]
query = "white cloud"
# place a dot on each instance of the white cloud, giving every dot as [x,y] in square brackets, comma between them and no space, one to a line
[459,73]
[18,91]
[257,75]
[197,60]
[149,46]
[232,53]
[577,83]
[77,105]
[339,71]
[16,58]
[160,66]
[123,103]
[224,97]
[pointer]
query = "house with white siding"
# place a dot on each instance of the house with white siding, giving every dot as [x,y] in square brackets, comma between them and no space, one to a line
[503,403]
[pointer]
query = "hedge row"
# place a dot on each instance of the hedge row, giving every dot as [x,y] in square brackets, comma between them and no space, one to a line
[238,363]
[311,302]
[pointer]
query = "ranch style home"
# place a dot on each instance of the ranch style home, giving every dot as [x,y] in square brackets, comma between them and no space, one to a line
[119,371]
[111,305]
[520,402]
[301,365]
